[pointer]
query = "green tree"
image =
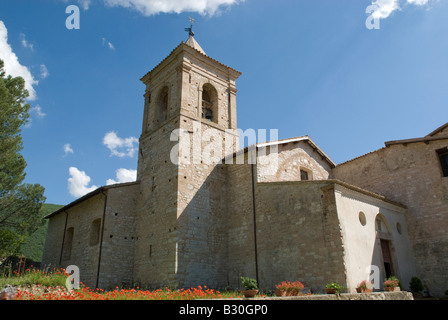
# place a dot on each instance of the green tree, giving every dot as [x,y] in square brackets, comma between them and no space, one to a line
[19,202]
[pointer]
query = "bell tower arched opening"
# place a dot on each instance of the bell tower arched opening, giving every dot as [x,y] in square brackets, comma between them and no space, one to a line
[209,103]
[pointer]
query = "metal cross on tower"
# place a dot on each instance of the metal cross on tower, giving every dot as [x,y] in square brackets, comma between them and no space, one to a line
[190,30]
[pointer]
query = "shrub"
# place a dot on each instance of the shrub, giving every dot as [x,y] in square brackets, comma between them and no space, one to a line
[249,283]
[336,286]
[416,284]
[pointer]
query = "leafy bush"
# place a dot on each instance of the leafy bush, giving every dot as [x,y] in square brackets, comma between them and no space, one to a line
[416,284]
[336,286]
[249,284]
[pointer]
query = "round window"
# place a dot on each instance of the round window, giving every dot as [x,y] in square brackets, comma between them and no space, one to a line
[362,218]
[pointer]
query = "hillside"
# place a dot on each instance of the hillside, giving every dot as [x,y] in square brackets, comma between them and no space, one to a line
[33,247]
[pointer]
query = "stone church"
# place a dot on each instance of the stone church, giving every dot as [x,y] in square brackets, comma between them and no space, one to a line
[274,211]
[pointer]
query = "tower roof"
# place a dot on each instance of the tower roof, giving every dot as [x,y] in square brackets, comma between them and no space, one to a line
[194,44]
[188,47]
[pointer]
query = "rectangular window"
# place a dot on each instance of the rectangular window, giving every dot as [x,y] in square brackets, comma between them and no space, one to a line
[443,157]
[303,175]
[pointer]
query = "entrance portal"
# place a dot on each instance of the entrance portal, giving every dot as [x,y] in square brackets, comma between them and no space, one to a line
[387,258]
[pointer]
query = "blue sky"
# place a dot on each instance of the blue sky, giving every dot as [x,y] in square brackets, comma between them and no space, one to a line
[309,67]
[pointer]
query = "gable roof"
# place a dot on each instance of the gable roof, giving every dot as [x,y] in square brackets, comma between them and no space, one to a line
[90,195]
[426,139]
[438,130]
[305,138]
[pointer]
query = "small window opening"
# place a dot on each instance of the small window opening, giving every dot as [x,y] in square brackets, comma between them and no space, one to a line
[303,175]
[443,158]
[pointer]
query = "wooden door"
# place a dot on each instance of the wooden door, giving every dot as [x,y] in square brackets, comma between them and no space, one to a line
[387,258]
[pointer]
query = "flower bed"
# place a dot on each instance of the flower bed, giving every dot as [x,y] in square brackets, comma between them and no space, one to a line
[86,293]
[34,284]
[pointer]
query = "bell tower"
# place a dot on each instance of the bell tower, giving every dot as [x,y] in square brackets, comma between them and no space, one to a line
[189,126]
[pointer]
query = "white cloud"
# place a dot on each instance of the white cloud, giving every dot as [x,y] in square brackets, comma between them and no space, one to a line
[120,147]
[37,110]
[68,149]
[108,43]
[84,4]
[12,64]
[418,2]
[25,43]
[44,71]
[78,183]
[151,7]
[123,175]
[386,7]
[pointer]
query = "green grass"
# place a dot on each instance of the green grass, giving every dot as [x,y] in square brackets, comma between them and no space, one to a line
[34,277]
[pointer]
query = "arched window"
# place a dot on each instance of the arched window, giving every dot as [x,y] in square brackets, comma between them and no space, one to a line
[95,229]
[162,106]
[209,103]
[68,243]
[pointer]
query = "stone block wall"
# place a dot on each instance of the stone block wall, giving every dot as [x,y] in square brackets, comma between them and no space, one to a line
[240,224]
[293,232]
[298,235]
[118,237]
[97,239]
[202,206]
[156,217]
[71,239]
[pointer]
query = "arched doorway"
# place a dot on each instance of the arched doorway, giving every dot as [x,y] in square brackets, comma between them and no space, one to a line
[385,239]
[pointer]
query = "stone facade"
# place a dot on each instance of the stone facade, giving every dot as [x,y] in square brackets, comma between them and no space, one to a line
[97,234]
[204,213]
